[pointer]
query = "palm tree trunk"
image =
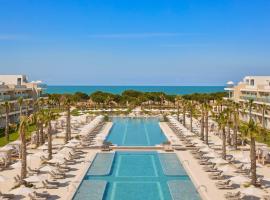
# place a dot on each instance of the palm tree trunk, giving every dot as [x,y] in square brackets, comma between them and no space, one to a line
[38,134]
[7,126]
[202,125]
[228,134]
[68,131]
[49,141]
[177,111]
[191,121]
[23,155]
[263,125]
[253,161]
[184,116]
[229,130]
[206,127]
[41,134]
[235,130]
[224,143]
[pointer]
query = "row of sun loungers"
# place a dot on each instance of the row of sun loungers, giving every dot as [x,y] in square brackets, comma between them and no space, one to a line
[221,180]
[59,169]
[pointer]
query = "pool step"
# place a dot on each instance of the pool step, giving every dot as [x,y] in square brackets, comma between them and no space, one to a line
[171,165]
[101,165]
[183,189]
[137,148]
[91,190]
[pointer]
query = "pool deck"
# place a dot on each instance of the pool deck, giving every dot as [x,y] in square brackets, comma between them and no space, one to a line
[205,186]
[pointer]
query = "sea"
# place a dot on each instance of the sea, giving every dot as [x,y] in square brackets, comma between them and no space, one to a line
[119,89]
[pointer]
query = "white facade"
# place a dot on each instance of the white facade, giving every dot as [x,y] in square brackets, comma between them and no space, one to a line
[13,87]
[13,79]
[256,88]
[251,87]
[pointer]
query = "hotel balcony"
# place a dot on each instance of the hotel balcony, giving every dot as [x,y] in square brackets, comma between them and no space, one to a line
[25,96]
[256,99]
[5,97]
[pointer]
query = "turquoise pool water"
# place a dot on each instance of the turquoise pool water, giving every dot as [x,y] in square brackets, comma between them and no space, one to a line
[136,132]
[136,176]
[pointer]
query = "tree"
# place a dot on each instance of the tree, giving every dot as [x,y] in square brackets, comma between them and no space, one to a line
[207,109]
[161,100]
[235,112]
[177,100]
[250,106]
[262,109]
[250,130]
[219,106]
[39,119]
[202,120]
[22,132]
[49,116]
[191,107]
[66,100]
[229,111]
[20,103]
[222,122]
[28,104]
[184,107]
[7,110]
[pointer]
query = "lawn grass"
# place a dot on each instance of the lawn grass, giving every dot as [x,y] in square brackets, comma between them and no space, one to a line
[259,137]
[14,135]
[75,112]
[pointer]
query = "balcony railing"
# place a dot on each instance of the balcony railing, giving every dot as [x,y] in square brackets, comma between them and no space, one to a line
[255,98]
[22,95]
[4,97]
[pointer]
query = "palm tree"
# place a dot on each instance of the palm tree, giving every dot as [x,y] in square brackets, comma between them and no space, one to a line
[22,132]
[20,103]
[202,120]
[219,105]
[7,110]
[39,119]
[161,97]
[177,100]
[49,116]
[235,112]
[222,122]
[263,108]
[250,106]
[250,130]
[28,104]
[184,106]
[67,104]
[207,109]
[229,123]
[191,106]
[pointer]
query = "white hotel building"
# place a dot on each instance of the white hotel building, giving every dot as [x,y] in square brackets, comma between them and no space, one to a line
[256,88]
[11,88]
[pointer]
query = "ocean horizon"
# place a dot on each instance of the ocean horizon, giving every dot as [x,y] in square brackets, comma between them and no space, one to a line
[119,89]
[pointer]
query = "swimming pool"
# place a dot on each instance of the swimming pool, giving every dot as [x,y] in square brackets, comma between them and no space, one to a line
[136,176]
[136,132]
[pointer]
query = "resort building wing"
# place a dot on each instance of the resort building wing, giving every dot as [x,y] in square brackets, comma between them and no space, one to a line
[256,88]
[13,87]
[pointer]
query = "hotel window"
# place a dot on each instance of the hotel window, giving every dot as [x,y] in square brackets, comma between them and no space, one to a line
[19,81]
[252,82]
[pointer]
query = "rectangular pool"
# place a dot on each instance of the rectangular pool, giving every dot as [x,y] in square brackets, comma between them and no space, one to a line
[136,176]
[136,132]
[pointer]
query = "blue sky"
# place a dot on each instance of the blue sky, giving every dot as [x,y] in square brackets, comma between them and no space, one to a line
[135,42]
